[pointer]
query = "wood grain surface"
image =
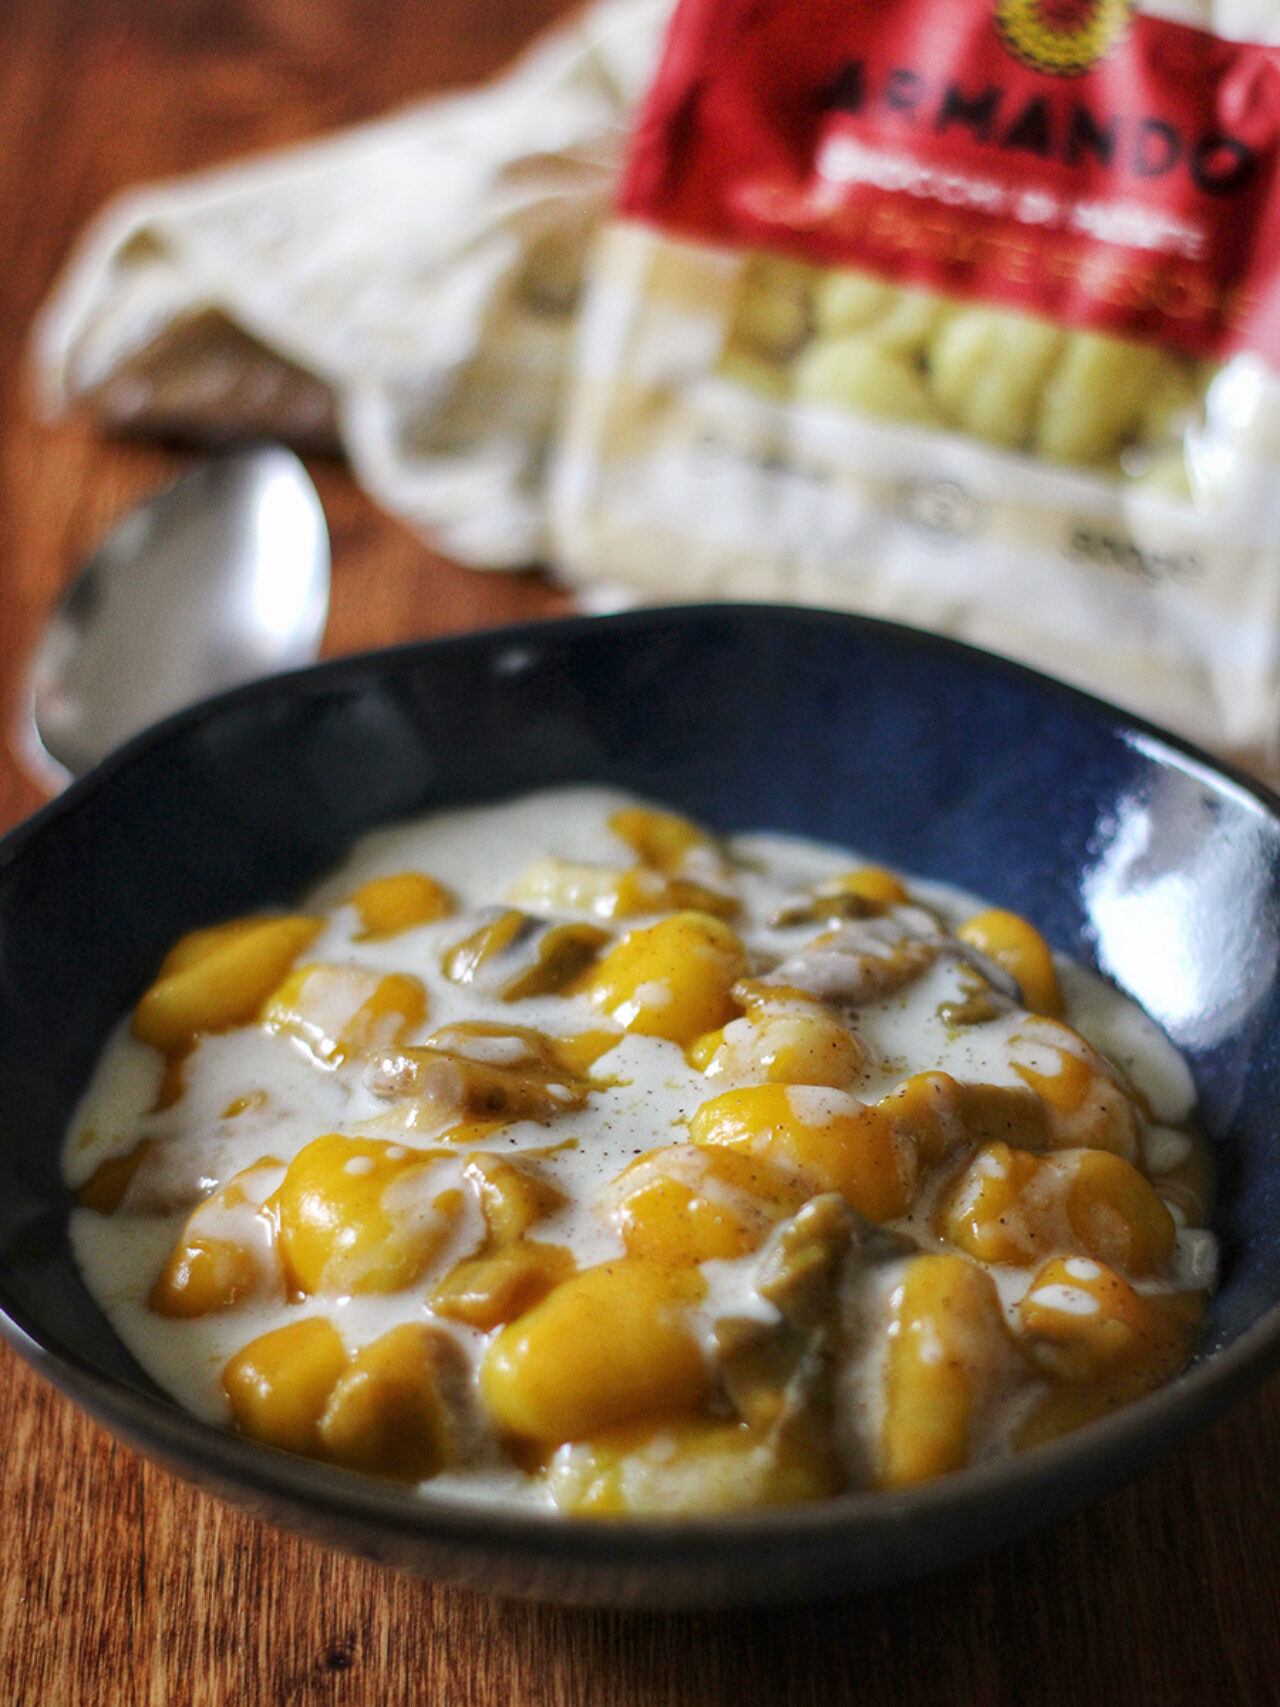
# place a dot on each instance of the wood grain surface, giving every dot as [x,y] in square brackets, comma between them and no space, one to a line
[119,1584]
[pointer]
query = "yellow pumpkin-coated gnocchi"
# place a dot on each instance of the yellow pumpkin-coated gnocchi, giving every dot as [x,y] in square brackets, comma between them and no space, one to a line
[610,893]
[684,1206]
[1013,1207]
[673,979]
[937,1115]
[341,1011]
[1085,1104]
[513,1195]
[226,1252]
[870,883]
[204,1274]
[1081,1322]
[689,1463]
[664,840]
[389,905]
[388,1413]
[357,1215]
[488,1290]
[824,1138]
[1012,942]
[947,1348]
[791,1043]
[986,1213]
[219,977]
[1115,1214]
[279,1384]
[610,1345]
[1101,1343]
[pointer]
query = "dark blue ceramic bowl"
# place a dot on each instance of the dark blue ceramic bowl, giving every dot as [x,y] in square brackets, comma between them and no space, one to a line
[1128,849]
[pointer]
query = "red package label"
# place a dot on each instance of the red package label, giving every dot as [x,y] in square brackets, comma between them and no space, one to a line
[1071,158]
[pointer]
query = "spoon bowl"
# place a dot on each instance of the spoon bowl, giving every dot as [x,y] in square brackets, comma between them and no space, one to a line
[220,579]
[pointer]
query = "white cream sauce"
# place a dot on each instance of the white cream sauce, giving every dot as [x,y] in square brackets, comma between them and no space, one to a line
[252,1094]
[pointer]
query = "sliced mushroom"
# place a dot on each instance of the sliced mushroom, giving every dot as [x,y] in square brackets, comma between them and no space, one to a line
[480,1070]
[780,1376]
[776,1375]
[870,957]
[512,954]
[861,960]
[614,893]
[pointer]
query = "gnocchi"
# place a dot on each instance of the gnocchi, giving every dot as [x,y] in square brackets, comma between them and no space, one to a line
[567,1152]
[845,339]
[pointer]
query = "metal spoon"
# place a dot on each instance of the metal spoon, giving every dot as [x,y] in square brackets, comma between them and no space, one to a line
[221,578]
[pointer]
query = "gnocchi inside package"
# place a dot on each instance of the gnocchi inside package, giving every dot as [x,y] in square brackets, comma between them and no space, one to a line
[960,312]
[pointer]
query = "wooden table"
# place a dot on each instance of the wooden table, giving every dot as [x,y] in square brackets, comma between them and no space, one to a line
[119,1584]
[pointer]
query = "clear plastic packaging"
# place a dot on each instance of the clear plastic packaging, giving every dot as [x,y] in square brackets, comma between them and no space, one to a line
[959,313]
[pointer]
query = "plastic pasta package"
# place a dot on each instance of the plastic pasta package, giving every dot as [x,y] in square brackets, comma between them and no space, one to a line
[963,314]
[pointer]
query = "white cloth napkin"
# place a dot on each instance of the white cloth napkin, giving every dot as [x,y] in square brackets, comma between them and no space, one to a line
[405,290]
